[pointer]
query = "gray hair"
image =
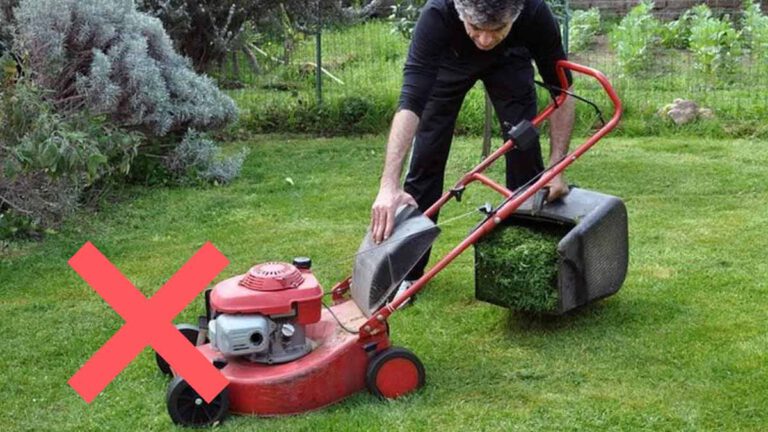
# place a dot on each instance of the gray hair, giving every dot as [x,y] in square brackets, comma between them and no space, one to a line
[488,12]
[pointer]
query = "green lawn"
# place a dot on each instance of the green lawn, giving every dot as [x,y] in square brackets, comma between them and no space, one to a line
[681,347]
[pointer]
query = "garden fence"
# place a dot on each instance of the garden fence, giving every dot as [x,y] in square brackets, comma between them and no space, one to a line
[362,63]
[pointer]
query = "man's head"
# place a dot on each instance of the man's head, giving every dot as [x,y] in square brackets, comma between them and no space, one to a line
[488,22]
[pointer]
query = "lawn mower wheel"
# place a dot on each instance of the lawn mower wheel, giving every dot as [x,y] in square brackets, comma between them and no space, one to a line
[189,331]
[394,372]
[187,408]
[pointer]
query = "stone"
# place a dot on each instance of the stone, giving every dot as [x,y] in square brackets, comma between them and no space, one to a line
[683,111]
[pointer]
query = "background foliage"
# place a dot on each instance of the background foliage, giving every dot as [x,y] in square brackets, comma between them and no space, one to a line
[100,84]
[108,58]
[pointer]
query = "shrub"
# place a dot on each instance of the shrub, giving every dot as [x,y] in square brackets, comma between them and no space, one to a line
[204,30]
[47,160]
[104,56]
[404,15]
[677,33]
[354,109]
[714,43]
[199,158]
[634,38]
[583,28]
[6,18]
[755,31]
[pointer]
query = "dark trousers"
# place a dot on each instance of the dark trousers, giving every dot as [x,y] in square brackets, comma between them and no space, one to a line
[510,86]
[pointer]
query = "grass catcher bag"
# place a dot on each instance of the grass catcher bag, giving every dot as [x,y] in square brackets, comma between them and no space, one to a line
[554,259]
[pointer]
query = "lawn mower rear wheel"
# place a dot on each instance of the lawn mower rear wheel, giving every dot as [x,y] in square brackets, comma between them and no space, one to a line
[394,372]
[191,332]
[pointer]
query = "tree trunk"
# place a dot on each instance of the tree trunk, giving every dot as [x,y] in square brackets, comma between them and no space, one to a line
[235,66]
[252,61]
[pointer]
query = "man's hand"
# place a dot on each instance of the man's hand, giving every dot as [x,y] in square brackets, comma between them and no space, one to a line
[383,211]
[557,188]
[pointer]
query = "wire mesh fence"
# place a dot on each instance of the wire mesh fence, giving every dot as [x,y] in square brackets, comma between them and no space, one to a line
[652,59]
[683,54]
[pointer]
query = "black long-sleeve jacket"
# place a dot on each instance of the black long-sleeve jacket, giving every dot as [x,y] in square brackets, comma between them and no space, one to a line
[440,36]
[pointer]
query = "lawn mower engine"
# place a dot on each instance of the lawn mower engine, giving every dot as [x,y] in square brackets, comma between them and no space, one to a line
[262,315]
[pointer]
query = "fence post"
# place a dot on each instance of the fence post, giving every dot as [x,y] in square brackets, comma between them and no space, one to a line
[487,127]
[566,26]
[319,56]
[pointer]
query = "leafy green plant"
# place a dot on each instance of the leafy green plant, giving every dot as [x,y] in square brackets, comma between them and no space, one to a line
[635,37]
[755,30]
[715,44]
[404,15]
[80,146]
[48,160]
[677,33]
[584,26]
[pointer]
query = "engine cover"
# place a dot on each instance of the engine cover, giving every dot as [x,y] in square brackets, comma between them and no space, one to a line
[276,290]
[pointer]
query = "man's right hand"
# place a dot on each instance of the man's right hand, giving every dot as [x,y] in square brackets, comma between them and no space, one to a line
[383,211]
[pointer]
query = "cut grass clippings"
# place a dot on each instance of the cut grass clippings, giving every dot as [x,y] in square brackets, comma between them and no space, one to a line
[516,267]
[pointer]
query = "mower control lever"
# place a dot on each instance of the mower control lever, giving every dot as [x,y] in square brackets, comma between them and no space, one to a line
[457,192]
[524,135]
[486,209]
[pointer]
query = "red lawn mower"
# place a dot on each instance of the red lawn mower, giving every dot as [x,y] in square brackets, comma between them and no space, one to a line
[268,333]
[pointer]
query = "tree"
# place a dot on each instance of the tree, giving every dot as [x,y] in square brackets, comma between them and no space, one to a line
[206,30]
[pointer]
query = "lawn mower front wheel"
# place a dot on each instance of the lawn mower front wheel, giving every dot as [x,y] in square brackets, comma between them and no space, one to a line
[187,408]
[394,372]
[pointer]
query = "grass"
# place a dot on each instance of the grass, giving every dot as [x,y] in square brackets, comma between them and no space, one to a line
[681,347]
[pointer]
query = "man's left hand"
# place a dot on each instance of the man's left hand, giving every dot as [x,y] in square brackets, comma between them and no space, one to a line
[558,188]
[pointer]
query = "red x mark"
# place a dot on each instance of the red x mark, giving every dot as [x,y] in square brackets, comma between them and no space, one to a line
[148,322]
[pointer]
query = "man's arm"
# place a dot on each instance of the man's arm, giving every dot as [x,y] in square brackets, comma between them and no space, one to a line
[391,194]
[561,127]
[430,40]
[546,47]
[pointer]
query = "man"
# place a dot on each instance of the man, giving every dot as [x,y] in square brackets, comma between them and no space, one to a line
[455,43]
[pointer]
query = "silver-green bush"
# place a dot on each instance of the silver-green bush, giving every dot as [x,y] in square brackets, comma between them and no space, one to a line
[198,157]
[108,58]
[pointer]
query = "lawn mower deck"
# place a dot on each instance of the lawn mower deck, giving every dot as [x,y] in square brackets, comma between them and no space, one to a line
[338,362]
[334,369]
